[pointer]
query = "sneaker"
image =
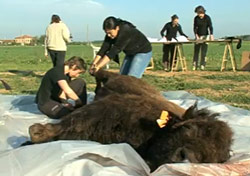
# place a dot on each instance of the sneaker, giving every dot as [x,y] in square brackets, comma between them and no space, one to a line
[165,66]
[194,68]
[202,67]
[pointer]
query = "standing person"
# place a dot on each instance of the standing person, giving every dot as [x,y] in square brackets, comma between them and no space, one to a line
[123,36]
[202,23]
[171,29]
[57,86]
[56,37]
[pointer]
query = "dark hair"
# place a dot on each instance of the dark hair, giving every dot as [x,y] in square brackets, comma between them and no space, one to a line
[55,19]
[200,9]
[112,22]
[77,61]
[174,17]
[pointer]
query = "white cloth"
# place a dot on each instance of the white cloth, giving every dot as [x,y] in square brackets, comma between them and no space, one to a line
[83,158]
[162,40]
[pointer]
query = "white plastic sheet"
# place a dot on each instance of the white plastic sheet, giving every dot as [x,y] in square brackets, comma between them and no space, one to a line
[173,40]
[83,158]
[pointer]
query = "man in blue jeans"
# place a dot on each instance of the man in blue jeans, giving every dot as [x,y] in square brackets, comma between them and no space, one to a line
[123,36]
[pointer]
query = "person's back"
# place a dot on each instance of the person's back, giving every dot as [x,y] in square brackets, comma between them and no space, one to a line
[49,85]
[57,36]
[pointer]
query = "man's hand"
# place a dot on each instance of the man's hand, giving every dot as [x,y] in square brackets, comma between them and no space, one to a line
[66,104]
[197,37]
[78,103]
[69,106]
[93,69]
[212,37]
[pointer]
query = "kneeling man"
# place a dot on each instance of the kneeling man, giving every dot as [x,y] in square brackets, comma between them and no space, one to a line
[58,85]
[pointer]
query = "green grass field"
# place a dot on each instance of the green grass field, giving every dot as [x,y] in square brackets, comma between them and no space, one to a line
[226,87]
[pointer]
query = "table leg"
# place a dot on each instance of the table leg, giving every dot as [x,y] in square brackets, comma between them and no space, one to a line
[182,58]
[230,48]
[224,58]
[174,66]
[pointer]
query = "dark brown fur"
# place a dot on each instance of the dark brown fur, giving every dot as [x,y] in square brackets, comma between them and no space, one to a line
[109,82]
[127,112]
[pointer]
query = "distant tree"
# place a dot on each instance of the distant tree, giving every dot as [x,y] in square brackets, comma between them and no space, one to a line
[246,37]
[40,40]
[34,41]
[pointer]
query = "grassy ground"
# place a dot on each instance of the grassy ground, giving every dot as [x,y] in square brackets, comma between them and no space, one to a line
[226,87]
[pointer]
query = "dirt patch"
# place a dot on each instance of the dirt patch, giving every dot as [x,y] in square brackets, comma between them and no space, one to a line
[3,91]
[194,73]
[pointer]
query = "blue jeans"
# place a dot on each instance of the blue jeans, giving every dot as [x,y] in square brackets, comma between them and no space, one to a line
[135,65]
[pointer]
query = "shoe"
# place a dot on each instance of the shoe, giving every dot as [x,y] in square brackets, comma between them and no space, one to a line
[165,65]
[202,67]
[194,68]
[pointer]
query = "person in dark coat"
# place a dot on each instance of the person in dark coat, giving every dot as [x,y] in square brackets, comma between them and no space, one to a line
[203,30]
[123,36]
[169,31]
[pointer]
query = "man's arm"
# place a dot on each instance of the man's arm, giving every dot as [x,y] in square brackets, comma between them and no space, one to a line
[210,27]
[46,44]
[195,29]
[163,31]
[106,45]
[67,90]
[66,33]
[181,32]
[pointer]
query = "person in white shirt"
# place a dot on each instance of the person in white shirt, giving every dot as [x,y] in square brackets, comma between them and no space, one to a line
[57,35]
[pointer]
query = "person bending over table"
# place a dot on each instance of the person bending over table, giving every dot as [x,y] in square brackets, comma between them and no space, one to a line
[58,85]
[171,29]
[202,23]
[123,36]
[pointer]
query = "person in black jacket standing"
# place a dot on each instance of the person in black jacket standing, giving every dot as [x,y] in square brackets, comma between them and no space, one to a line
[202,23]
[171,29]
[123,36]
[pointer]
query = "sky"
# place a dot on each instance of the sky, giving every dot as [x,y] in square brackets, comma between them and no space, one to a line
[85,17]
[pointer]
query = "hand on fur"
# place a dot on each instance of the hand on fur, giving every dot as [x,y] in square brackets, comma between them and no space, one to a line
[78,103]
[92,71]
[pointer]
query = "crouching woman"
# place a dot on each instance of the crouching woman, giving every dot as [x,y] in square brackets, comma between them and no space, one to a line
[123,36]
[58,86]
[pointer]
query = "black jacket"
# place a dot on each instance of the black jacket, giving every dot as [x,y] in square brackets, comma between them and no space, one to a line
[201,26]
[171,31]
[129,40]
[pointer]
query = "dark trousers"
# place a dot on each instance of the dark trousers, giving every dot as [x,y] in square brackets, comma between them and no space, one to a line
[168,48]
[57,57]
[197,48]
[55,109]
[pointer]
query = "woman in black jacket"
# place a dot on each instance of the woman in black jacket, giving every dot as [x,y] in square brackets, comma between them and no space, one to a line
[203,30]
[169,31]
[123,36]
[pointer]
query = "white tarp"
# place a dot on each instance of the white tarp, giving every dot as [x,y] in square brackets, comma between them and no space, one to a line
[163,39]
[84,158]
